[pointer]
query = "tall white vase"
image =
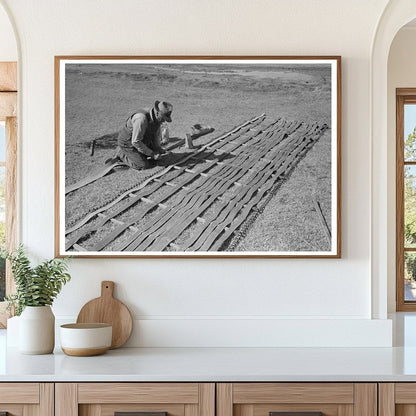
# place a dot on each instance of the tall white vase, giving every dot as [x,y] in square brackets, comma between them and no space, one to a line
[37,330]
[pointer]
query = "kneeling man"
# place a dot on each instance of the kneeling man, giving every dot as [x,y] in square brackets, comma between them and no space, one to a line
[140,137]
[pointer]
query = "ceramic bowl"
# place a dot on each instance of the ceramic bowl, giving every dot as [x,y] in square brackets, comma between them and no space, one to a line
[83,340]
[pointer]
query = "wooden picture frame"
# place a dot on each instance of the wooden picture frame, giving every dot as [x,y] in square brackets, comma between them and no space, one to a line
[253,163]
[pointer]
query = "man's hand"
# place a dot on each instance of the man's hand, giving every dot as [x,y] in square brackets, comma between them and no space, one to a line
[156,156]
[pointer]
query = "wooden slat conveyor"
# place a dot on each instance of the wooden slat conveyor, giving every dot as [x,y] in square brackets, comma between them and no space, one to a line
[199,204]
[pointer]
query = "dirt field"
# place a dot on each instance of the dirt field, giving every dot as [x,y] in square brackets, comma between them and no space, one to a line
[100,97]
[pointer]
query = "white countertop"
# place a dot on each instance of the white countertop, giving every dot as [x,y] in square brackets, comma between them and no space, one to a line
[221,364]
[215,364]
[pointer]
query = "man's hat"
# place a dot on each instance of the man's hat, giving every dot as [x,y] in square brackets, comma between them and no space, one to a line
[165,109]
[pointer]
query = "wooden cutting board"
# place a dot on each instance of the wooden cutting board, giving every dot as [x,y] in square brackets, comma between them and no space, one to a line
[108,310]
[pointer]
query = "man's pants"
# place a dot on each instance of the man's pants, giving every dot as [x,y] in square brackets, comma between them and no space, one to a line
[133,158]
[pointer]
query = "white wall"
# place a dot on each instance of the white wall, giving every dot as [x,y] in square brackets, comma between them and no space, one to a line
[401,74]
[8,46]
[291,302]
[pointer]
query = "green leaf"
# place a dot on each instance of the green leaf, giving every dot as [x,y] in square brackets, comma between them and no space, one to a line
[35,286]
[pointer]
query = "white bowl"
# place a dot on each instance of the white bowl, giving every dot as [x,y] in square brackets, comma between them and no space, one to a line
[83,340]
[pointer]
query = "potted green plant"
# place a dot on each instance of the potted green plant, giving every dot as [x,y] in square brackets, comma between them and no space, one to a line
[36,289]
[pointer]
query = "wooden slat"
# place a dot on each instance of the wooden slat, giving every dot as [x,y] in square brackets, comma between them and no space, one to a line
[138,393]
[160,238]
[8,76]
[340,393]
[123,206]
[8,105]
[168,233]
[224,399]
[121,228]
[242,211]
[66,399]
[186,217]
[19,393]
[208,192]
[405,393]
[386,399]
[116,232]
[248,206]
[241,169]
[213,229]
[207,399]
[322,220]
[92,178]
[365,399]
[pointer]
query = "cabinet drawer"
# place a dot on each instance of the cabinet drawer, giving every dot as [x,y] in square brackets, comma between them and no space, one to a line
[297,399]
[21,399]
[397,399]
[147,399]
[138,393]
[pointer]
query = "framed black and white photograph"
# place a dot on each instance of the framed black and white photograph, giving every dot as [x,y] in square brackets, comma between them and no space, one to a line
[198,156]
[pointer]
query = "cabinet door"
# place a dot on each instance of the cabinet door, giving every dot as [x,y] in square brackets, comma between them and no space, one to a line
[297,399]
[26,399]
[142,399]
[397,399]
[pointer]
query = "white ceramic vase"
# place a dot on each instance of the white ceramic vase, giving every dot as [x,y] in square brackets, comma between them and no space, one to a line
[37,330]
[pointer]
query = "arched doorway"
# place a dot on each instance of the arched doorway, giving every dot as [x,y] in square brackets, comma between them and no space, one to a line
[396,15]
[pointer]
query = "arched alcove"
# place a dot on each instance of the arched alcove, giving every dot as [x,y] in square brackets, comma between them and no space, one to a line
[396,15]
[401,74]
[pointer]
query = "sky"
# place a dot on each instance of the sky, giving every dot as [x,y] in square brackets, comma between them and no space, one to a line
[409,119]
[2,141]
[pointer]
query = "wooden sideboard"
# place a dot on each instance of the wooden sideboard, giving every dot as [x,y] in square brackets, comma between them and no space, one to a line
[208,399]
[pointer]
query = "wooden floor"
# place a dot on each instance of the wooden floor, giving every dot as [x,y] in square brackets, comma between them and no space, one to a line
[203,201]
